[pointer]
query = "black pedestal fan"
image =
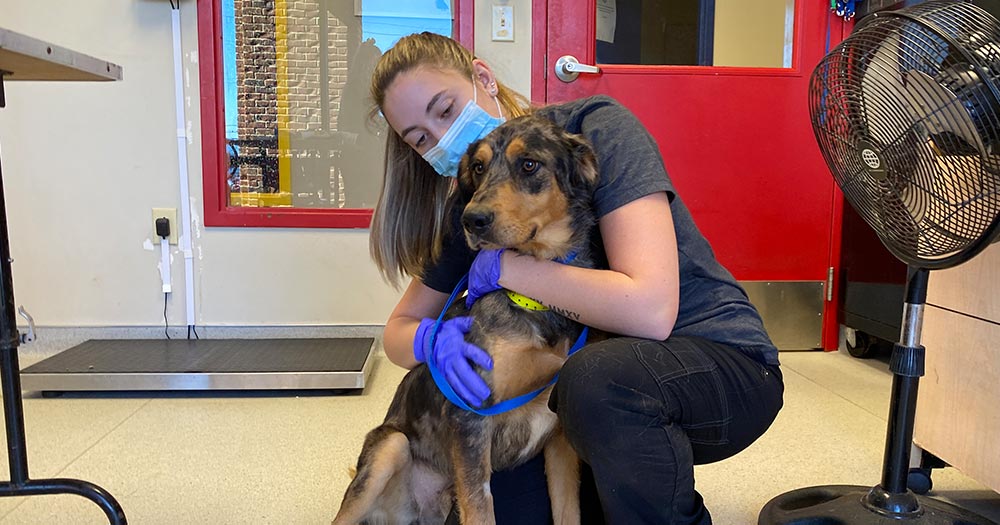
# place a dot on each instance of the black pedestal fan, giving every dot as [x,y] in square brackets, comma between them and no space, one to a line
[907,114]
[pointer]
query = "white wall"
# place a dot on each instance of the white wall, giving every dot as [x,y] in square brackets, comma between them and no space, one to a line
[511,61]
[84,163]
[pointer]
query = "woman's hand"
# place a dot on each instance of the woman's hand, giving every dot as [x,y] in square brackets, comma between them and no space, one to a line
[484,275]
[452,355]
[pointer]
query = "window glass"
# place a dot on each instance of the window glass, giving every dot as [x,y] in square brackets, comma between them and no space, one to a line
[296,77]
[741,33]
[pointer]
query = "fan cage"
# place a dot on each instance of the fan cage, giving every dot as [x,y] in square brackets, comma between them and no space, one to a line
[907,115]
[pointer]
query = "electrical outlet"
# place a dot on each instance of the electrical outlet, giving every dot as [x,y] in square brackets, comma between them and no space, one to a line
[171,215]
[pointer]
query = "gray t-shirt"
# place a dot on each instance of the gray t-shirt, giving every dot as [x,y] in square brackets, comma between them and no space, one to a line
[712,305]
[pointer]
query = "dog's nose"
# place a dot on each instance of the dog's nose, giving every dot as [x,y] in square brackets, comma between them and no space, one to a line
[477,222]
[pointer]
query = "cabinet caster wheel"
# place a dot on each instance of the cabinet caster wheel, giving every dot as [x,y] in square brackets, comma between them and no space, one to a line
[919,480]
[860,344]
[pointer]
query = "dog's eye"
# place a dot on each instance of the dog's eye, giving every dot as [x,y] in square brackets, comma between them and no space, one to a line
[529,166]
[477,167]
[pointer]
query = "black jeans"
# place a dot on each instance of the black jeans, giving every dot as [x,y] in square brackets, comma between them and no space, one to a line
[642,414]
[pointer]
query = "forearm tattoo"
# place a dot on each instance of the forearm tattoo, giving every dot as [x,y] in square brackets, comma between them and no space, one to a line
[563,312]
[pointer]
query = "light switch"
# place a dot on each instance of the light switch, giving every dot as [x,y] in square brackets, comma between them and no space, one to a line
[503,23]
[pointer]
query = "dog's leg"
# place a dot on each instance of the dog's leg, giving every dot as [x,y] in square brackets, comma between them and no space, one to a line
[470,454]
[562,473]
[386,453]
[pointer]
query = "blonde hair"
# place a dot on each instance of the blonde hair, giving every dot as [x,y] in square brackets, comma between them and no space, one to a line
[411,217]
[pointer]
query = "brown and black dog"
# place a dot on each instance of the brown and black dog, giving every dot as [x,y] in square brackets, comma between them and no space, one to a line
[527,186]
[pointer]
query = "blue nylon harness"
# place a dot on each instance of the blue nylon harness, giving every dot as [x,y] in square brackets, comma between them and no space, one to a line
[449,393]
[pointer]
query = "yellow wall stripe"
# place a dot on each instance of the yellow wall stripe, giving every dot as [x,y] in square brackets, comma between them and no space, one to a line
[284,114]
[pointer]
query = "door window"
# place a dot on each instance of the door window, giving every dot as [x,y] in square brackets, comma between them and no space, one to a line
[737,33]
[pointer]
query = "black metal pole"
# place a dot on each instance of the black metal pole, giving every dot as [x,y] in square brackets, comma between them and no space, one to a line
[896,462]
[9,341]
[907,366]
[38,487]
[13,408]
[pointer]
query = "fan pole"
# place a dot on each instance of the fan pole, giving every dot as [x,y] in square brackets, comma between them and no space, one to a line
[907,366]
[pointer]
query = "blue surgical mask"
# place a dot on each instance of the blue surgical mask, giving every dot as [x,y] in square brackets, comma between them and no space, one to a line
[472,124]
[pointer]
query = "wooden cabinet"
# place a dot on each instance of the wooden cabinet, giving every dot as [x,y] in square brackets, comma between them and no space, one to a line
[958,408]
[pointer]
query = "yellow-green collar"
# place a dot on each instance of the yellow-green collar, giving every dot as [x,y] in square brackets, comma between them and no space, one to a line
[526,302]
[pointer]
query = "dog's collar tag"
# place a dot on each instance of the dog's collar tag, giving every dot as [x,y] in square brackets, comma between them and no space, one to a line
[526,302]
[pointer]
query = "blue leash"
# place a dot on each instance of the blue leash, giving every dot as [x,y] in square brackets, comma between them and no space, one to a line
[449,393]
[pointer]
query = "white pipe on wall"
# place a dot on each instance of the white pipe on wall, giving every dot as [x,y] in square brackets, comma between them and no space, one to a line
[184,232]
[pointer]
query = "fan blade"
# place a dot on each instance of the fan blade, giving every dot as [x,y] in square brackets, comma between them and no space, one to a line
[882,87]
[943,114]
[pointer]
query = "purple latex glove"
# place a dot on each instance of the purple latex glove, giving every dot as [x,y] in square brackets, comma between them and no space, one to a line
[484,275]
[452,355]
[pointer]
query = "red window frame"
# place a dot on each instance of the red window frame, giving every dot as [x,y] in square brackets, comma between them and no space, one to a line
[218,212]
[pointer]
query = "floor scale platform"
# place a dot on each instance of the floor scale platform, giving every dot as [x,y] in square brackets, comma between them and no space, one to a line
[205,364]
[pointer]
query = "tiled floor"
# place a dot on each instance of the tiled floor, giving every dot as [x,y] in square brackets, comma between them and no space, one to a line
[266,459]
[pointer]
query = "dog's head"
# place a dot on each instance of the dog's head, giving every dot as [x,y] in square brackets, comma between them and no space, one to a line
[528,187]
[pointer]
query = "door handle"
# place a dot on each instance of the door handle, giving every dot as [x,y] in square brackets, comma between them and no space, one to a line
[568,68]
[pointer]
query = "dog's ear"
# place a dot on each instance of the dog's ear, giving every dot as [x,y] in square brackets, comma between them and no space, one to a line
[583,168]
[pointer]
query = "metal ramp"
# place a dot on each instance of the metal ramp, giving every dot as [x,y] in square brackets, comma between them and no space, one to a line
[205,364]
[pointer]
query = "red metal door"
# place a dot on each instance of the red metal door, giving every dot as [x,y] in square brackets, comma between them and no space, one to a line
[737,143]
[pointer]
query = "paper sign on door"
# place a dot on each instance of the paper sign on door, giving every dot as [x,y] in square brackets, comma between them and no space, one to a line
[607,15]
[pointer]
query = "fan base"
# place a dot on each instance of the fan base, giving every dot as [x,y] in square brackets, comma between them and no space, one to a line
[851,504]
